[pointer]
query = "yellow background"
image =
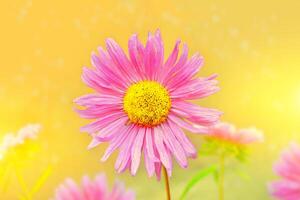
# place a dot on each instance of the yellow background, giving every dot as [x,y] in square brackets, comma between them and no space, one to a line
[254,46]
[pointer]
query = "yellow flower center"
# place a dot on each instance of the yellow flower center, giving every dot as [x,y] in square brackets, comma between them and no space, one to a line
[147,103]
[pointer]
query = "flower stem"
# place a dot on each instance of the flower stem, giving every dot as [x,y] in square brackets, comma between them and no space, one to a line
[221,177]
[167,185]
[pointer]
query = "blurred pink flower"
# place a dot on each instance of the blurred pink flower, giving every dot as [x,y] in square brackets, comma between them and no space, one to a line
[30,131]
[229,133]
[288,168]
[10,140]
[92,190]
[141,104]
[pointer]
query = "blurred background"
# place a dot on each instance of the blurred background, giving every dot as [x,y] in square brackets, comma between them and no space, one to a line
[254,46]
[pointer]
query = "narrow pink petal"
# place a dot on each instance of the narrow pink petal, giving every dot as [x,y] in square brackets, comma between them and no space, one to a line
[154,55]
[106,69]
[150,57]
[111,68]
[159,49]
[101,187]
[180,63]
[62,193]
[158,170]
[286,190]
[149,144]
[184,141]
[93,112]
[95,142]
[250,135]
[120,59]
[102,122]
[124,154]
[130,195]
[137,150]
[148,163]
[169,170]
[117,142]
[98,100]
[190,127]
[136,53]
[161,149]
[174,146]
[108,132]
[118,192]
[89,190]
[194,89]
[173,56]
[96,81]
[186,73]
[195,113]
[73,190]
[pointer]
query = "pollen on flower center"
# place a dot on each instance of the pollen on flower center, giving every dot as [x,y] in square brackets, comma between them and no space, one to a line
[147,103]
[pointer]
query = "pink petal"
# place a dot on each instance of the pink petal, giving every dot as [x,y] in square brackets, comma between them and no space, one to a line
[120,60]
[95,142]
[184,141]
[136,53]
[117,142]
[161,149]
[186,73]
[190,127]
[102,122]
[180,63]
[136,150]
[154,55]
[73,191]
[158,170]
[173,56]
[94,80]
[148,163]
[124,155]
[98,100]
[149,144]
[174,146]
[108,132]
[89,189]
[194,89]
[106,69]
[196,114]
[96,111]
[169,64]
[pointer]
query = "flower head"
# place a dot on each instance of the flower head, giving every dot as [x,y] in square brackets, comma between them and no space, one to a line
[226,132]
[92,190]
[142,103]
[224,139]
[288,168]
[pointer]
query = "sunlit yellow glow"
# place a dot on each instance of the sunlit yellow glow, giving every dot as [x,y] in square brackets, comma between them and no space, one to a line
[253,46]
[297,100]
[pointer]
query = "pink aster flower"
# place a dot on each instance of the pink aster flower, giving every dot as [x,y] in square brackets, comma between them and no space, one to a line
[229,133]
[92,190]
[142,103]
[288,168]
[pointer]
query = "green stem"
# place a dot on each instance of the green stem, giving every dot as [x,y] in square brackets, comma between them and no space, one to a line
[221,177]
[167,185]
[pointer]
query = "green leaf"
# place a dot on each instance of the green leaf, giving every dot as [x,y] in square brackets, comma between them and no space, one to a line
[216,175]
[198,177]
